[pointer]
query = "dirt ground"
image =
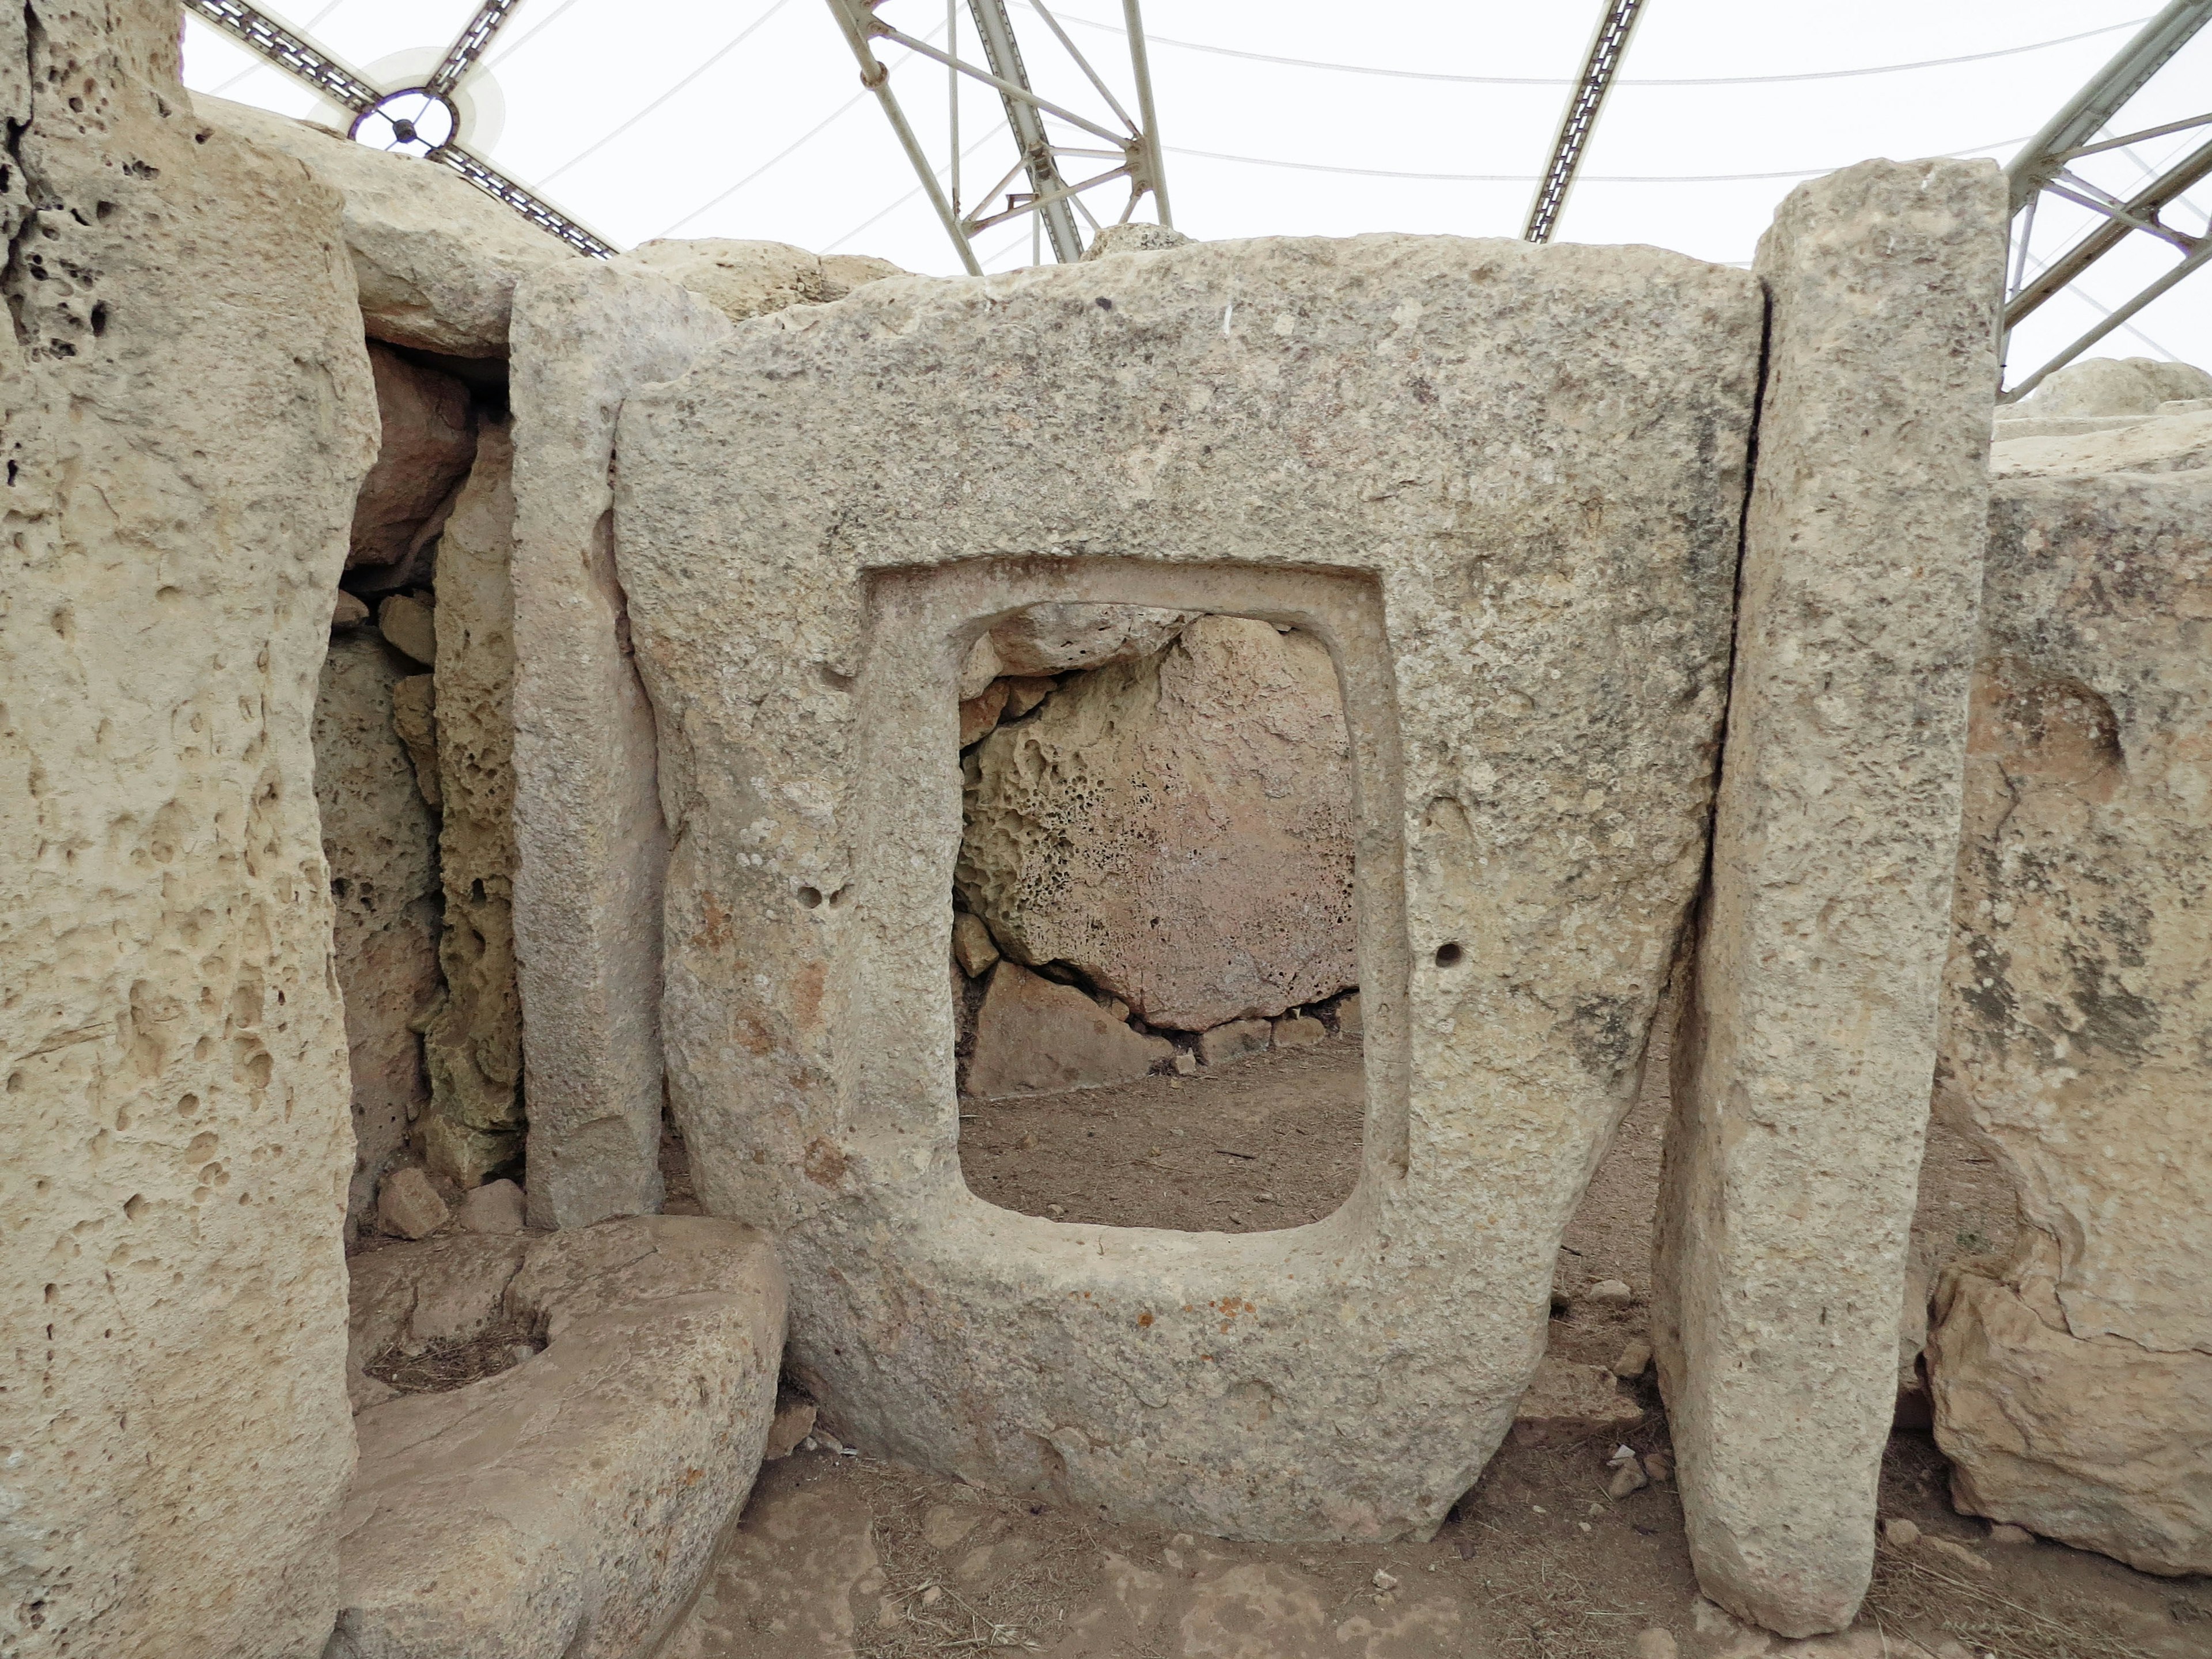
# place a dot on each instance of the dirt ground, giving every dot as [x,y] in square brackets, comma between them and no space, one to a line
[841,1553]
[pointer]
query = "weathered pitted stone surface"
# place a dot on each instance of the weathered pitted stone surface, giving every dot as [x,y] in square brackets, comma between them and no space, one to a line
[380,843]
[1138,238]
[1801,1071]
[2096,1442]
[1178,829]
[744,279]
[415,719]
[1053,639]
[590,843]
[2159,443]
[2111,386]
[1033,1037]
[188,413]
[428,440]
[2077,1003]
[568,1507]
[1530,460]
[434,259]
[474,1046]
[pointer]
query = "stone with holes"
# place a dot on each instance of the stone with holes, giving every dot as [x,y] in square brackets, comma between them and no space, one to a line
[1499,486]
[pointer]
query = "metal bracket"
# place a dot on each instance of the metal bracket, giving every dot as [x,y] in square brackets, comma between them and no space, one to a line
[409,116]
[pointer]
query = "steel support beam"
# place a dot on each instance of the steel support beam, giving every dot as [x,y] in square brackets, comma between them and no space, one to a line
[2046,166]
[1004,54]
[1607,47]
[299,57]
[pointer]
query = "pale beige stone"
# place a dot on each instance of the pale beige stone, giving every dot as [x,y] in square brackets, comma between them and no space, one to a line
[1530,460]
[408,1205]
[415,719]
[474,1045]
[1033,1037]
[741,279]
[2111,386]
[591,846]
[347,611]
[1024,692]
[1802,1068]
[979,671]
[2071,1384]
[1234,1041]
[1299,1032]
[380,844]
[495,1207]
[428,440]
[1349,1021]
[1137,238]
[980,714]
[1177,828]
[568,1507]
[436,260]
[2161,443]
[188,413]
[972,946]
[409,625]
[1057,639]
[1567,1401]
[792,1425]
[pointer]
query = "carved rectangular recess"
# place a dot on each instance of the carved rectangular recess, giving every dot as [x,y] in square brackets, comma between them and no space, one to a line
[921,624]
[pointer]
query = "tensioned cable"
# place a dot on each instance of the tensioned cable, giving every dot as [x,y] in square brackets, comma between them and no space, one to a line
[602,142]
[260,62]
[1530,178]
[1625,80]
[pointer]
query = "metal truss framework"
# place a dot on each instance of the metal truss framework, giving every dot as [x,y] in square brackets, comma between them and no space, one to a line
[1051,198]
[2044,168]
[418,120]
[1607,47]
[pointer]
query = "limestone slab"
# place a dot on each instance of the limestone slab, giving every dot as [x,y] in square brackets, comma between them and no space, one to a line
[1057,638]
[1033,1037]
[381,845]
[1802,1068]
[188,415]
[2070,1382]
[474,1044]
[746,279]
[1500,484]
[1176,828]
[436,260]
[568,1507]
[590,844]
[429,439]
[2112,385]
[2156,443]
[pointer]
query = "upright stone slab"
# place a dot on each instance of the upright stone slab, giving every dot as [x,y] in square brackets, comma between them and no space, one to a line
[1802,1069]
[1502,485]
[590,843]
[474,1045]
[187,414]
[2072,1384]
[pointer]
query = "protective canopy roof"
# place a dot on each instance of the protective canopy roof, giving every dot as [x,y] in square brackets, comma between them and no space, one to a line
[645,118]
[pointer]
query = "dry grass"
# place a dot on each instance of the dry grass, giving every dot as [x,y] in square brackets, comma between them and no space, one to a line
[445,1365]
[1022,1610]
[1918,1595]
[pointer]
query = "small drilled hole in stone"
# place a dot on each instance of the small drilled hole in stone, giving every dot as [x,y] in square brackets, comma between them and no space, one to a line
[1449,956]
[810,896]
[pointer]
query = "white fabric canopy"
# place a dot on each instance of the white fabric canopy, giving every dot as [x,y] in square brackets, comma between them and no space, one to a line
[657,117]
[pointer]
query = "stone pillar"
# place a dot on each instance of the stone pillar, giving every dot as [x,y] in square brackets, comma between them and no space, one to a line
[187,414]
[1803,1070]
[591,846]
[474,1045]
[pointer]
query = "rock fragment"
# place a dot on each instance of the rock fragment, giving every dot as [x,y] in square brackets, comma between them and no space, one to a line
[1033,1037]
[428,440]
[1060,639]
[495,1207]
[408,626]
[972,946]
[1297,1031]
[1233,1041]
[747,279]
[409,1205]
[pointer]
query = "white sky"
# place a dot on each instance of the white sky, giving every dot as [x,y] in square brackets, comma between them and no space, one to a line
[642,119]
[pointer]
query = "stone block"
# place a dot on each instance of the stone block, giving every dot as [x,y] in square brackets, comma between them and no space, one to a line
[434,259]
[474,1043]
[568,1506]
[1803,1064]
[1298,1032]
[2111,386]
[2075,999]
[380,843]
[495,1207]
[409,1205]
[591,846]
[1033,1037]
[1234,1041]
[973,947]
[188,417]
[1567,1401]
[743,279]
[428,440]
[409,625]
[1177,828]
[1529,460]
[2157,443]
[1059,639]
